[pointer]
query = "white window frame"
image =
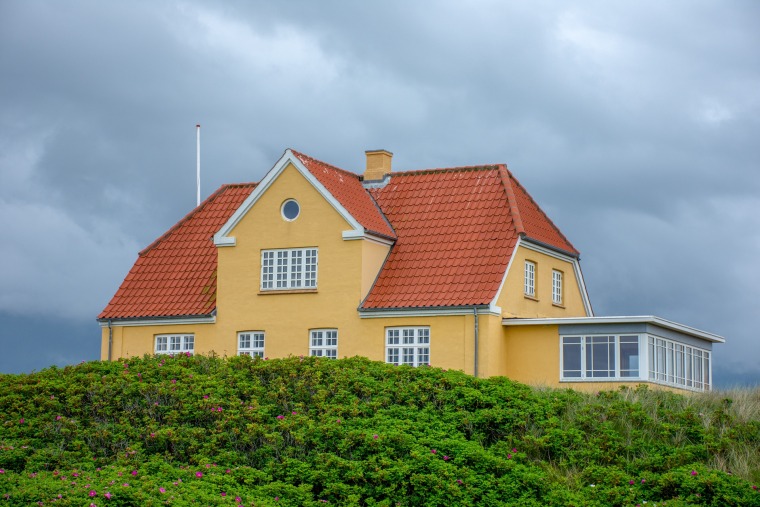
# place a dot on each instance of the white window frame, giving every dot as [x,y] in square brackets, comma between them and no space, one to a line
[323,343]
[530,278]
[556,287]
[408,345]
[174,344]
[679,364]
[289,268]
[251,343]
[586,371]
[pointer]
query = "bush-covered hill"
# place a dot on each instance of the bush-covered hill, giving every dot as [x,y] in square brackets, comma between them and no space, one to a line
[209,431]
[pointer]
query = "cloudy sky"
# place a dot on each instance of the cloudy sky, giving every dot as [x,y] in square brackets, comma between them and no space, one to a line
[635,125]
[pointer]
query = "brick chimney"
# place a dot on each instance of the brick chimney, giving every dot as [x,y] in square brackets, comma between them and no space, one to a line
[378,164]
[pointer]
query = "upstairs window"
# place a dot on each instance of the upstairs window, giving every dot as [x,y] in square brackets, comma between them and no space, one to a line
[530,278]
[251,343]
[175,344]
[293,268]
[323,343]
[407,345]
[556,287]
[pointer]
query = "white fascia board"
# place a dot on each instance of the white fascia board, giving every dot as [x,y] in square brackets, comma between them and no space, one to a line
[354,234]
[493,306]
[425,312]
[635,319]
[222,238]
[159,321]
[567,258]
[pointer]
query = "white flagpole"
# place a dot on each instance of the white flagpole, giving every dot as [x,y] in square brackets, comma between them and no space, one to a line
[198,164]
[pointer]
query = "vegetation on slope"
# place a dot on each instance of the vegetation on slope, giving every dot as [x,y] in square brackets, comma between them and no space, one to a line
[241,431]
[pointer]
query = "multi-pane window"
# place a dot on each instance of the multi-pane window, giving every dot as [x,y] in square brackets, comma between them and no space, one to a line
[175,344]
[597,357]
[556,287]
[323,343]
[530,278]
[407,345]
[294,268]
[679,364]
[251,343]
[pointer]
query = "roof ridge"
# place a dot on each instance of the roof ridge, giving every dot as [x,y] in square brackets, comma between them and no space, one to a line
[557,229]
[190,215]
[411,172]
[511,199]
[336,168]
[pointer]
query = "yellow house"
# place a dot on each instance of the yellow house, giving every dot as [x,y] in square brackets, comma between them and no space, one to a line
[457,268]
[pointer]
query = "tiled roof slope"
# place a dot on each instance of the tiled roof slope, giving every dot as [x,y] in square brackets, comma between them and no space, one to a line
[176,275]
[347,188]
[455,237]
[457,229]
[535,223]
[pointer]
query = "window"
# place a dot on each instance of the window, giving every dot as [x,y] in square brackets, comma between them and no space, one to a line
[323,343]
[251,343]
[556,287]
[679,364]
[294,268]
[175,344]
[407,345]
[530,278]
[600,357]
[290,210]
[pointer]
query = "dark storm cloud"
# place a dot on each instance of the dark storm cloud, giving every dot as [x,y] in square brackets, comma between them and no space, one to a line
[633,124]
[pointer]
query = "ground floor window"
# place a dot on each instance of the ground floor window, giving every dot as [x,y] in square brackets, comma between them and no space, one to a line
[175,344]
[251,343]
[600,357]
[677,363]
[323,343]
[407,345]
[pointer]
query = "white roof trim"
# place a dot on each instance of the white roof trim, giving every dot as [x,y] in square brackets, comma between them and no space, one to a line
[504,278]
[567,258]
[158,321]
[637,319]
[222,237]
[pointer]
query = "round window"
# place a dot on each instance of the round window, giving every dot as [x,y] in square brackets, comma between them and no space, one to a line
[290,209]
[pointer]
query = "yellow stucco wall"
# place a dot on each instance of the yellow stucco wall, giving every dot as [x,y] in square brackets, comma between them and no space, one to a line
[513,301]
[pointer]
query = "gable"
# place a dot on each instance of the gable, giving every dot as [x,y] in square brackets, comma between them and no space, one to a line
[346,197]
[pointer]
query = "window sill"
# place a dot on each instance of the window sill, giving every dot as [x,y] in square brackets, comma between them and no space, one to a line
[532,298]
[268,292]
[558,305]
[607,379]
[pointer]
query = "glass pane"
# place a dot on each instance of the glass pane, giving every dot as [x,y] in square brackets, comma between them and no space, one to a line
[600,356]
[629,356]
[571,357]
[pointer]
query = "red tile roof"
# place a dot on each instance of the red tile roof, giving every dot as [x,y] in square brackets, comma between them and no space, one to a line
[455,237]
[347,188]
[176,275]
[454,229]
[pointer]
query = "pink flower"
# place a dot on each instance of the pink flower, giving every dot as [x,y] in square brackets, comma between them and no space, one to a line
[107,495]
[2,471]
[630,482]
[227,471]
[93,493]
[509,456]
[125,485]
[643,481]
[162,490]
[174,381]
[375,436]
[238,499]
[459,481]
[337,421]
[281,417]
[693,472]
[199,474]
[21,421]
[75,474]
[446,458]
[277,498]
[134,473]
[223,493]
[433,451]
